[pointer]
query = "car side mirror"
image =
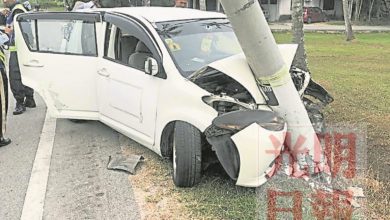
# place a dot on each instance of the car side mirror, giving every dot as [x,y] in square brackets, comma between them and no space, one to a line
[151,66]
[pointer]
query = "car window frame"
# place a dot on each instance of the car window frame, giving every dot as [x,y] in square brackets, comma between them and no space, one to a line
[136,29]
[78,16]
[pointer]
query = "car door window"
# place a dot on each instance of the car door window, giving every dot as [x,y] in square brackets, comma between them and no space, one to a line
[125,48]
[29,34]
[57,55]
[74,37]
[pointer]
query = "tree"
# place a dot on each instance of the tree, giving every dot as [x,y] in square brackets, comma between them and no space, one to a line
[347,20]
[300,59]
[146,3]
[202,5]
[358,9]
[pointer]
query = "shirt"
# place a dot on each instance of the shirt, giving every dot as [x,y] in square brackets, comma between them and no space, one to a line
[10,20]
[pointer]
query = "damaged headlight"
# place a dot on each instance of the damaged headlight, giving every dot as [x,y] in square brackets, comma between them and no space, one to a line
[238,120]
[223,104]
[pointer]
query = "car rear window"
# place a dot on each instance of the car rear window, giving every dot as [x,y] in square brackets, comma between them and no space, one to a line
[60,36]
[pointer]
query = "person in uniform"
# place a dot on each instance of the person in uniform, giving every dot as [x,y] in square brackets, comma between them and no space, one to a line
[3,91]
[23,95]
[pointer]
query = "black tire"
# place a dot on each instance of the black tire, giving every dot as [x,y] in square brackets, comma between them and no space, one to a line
[187,155]
[309,20]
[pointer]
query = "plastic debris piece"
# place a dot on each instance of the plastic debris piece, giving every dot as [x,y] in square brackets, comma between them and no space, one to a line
[355,204]
[356,192]
[124,163]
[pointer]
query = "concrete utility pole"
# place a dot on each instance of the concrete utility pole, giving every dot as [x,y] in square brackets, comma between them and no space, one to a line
[265,59]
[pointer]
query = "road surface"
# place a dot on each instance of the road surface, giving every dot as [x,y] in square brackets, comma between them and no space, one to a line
[79,186]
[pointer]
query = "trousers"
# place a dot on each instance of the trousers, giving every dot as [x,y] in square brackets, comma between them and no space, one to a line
[3,101]
[19,90]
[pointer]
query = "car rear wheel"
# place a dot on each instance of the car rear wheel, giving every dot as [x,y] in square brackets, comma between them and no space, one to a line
[309,20]
[187,155]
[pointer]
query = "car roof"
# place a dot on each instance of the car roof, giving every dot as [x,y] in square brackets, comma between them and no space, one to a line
[161,14]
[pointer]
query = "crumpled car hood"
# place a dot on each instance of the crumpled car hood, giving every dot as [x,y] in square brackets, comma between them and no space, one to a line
[237,68]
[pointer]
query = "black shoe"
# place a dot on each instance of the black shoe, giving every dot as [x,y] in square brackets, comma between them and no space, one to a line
[29,102]
[19,109]
[4,141]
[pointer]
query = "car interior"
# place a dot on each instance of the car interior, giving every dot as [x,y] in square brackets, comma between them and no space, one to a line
[138,58]
[131,51]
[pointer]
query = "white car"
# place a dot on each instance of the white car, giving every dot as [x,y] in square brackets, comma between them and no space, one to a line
[175,80]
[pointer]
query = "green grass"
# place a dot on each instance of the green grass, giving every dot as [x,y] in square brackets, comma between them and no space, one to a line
[357,74]
[341,22]
[219,198]
[59,8]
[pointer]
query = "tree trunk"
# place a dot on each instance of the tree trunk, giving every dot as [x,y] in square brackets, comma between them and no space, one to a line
[360,7]
[300,59]
[357,9]
[202,5]
[370,10]
[348,26]
[350,6]
[146,3]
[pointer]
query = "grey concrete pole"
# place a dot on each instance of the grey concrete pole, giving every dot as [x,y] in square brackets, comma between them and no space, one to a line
[266,62]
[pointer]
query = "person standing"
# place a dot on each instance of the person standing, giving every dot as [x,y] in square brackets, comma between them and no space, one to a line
[3,92]
[23,95]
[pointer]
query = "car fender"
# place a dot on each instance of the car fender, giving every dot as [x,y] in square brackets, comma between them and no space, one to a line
[183,102]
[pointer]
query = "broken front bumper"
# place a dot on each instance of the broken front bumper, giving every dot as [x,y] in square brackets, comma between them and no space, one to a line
[247,143]
[257,148]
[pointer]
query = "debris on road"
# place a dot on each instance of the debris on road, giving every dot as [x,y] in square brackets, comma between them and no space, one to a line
[124,163]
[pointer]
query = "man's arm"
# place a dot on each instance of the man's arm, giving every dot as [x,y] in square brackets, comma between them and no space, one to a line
[10,28]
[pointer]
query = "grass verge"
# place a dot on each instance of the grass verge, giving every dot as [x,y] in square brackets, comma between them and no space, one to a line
[357,74]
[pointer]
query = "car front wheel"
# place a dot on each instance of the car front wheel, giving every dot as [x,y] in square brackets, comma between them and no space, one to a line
[187,155]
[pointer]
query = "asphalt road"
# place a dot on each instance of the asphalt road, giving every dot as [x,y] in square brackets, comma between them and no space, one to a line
[79,185]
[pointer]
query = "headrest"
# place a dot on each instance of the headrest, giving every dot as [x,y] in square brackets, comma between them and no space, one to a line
[141,48]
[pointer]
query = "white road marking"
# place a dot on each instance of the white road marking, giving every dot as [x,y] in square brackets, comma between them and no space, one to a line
[36,191]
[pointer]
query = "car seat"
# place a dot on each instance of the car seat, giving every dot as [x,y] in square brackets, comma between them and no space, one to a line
[127,47]
[137,59]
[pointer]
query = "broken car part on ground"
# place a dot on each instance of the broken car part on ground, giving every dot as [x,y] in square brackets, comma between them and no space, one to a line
[124,163]
[175,80]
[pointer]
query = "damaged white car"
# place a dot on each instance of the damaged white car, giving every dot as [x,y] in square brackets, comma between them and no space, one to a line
[174,80]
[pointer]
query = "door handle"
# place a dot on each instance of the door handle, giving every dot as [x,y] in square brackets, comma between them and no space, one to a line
[103,72]
[33,63]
